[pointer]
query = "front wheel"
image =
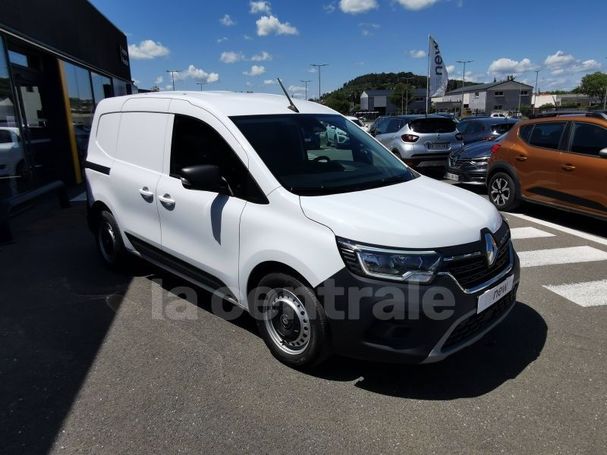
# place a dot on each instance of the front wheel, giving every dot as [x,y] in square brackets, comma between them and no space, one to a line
[291,320]
[503,192]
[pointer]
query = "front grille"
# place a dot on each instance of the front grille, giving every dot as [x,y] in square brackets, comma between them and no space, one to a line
[472,271]
[477,323]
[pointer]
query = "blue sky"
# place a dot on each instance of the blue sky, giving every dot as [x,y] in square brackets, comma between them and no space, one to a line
[245,45]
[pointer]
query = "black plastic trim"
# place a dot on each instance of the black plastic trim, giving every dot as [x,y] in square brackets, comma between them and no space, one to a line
[565,197]
[97,167]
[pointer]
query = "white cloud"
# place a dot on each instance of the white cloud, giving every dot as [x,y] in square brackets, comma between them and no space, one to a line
[366,28]
[231,57]
[260,7]
[451,69]
[147,50]
[247,37]
[270,25]
[417,53]
[357,6]
[263,56]
[222,39]
[159,80]
[256,70]
[227,21]
[506,66]
[416,5]
[196,73]
[329,8]
[269,82]
[559,59]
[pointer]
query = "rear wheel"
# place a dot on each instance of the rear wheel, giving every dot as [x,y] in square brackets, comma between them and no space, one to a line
[503,191]
[291,320]
[109,241]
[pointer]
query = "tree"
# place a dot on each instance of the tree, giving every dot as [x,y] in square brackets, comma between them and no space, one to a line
[337,101]
[594,85]
[402,95]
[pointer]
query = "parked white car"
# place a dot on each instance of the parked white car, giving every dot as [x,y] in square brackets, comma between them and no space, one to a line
[331,250]
[11,152]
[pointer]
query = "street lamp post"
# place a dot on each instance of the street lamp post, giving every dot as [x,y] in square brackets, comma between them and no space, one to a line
[464,62]
[172,72]
[318,67]
[200,84]
[305,83]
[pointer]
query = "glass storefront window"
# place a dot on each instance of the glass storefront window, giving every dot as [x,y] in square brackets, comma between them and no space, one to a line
[12,157]
[121,88]
[102,87]
[81,104]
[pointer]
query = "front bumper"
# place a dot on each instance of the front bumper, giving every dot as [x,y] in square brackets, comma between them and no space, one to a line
[414,334]
[471,175]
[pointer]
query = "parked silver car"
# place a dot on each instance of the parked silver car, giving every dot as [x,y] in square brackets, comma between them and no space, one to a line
[421,141]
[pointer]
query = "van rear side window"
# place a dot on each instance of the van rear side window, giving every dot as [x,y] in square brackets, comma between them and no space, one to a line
[107,132]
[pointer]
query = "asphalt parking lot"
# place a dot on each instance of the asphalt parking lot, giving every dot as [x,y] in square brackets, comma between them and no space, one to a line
[90,363]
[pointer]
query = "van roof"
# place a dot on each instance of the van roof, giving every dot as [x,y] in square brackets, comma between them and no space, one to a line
[226,103]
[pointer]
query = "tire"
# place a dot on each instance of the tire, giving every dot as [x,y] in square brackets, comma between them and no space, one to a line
[109,242]
[291,321]
[503,192]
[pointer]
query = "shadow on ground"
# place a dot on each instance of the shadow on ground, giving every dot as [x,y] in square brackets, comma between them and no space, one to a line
[498,357]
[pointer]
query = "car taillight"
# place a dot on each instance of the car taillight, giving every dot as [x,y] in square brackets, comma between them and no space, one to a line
[459,137]
[409,137]
[495,148]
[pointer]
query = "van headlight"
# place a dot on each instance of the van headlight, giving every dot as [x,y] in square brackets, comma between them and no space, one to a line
[390,263]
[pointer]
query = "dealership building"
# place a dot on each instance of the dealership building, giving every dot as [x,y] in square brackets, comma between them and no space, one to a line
[58,60]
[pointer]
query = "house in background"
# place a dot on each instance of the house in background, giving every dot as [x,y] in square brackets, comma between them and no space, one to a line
[505,96]
[573,100]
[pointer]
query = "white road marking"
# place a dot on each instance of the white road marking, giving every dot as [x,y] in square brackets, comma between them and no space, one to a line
[528,233]
[566,230]
[591,293]
[556,256]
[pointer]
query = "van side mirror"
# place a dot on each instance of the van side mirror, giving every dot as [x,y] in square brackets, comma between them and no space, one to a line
[603,153]
[206,177]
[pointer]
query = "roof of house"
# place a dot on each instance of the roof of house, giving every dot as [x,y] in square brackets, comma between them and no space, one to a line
[483,87]
[386,92]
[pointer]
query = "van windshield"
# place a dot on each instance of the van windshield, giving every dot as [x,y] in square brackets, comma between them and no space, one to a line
[316,154]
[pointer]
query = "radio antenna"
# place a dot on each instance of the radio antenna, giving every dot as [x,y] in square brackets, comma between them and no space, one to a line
[291,105]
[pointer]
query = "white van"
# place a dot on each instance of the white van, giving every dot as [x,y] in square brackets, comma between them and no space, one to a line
[332,250]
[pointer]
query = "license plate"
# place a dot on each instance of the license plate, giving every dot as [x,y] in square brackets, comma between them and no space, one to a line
[451,176]
[491,296]
[438,146]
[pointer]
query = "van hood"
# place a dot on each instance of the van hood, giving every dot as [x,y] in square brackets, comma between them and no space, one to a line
[421,213]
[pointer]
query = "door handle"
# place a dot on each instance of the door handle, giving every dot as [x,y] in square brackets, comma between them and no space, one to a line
[167,201]
[521,158]
[146,194]
[568,167]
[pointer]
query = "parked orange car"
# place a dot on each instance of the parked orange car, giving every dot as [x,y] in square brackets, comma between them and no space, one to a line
[559,161]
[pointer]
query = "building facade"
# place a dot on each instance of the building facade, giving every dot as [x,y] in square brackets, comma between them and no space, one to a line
[507,96]
[57,61]
[379,101]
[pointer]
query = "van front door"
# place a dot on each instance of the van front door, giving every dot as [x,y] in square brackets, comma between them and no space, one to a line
[201,229]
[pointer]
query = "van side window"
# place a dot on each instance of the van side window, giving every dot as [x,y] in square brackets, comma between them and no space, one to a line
[588,139]
[196,143]
[547,135]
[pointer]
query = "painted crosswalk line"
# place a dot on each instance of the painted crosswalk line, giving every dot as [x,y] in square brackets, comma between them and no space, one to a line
[591,293]
[528,233]
[555,256]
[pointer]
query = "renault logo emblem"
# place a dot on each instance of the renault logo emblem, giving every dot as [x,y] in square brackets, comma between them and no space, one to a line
[490,249]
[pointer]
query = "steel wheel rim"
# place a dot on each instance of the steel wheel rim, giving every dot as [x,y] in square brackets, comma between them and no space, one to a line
[287,322]
[500,191]
[107,241]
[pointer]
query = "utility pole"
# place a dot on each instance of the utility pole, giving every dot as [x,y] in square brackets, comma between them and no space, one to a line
[464,62]
[537,74]
[305,83]
[318,67]
[200,84]
[172,72]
